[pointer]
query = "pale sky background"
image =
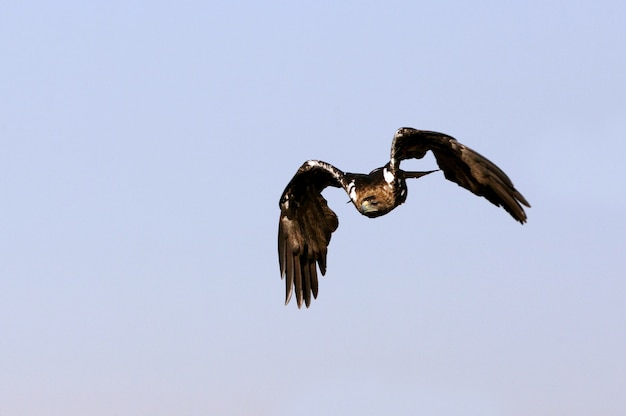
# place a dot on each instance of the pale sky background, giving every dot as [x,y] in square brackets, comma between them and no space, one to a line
[144,146]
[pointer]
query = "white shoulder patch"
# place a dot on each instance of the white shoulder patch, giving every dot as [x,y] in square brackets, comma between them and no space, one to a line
[389,177]
[351,190]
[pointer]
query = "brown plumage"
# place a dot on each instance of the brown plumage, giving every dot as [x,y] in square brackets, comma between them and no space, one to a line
[306,222]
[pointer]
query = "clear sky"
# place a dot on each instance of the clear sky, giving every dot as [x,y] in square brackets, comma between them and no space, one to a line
[144,146]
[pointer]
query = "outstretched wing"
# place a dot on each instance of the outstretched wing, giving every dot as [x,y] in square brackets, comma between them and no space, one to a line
[305,226]
[462,165]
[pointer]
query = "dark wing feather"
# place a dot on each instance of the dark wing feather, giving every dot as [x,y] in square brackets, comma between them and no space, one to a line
[305,227]
[462,165]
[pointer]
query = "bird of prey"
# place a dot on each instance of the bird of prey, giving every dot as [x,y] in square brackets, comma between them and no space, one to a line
[306,222]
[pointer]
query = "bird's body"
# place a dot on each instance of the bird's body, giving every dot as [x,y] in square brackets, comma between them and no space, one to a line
[380,191]
[306,223]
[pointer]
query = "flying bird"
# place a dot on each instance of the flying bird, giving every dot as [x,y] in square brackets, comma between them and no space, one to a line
[307,223]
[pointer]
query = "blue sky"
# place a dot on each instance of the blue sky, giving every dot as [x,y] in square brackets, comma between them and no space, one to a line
[143,149]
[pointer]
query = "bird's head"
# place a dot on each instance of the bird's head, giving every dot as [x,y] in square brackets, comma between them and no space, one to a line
[372,208]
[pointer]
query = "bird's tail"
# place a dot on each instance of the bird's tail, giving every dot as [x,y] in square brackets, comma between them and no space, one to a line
[408,175]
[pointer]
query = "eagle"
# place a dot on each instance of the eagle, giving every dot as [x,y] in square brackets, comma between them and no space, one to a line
[306,222]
